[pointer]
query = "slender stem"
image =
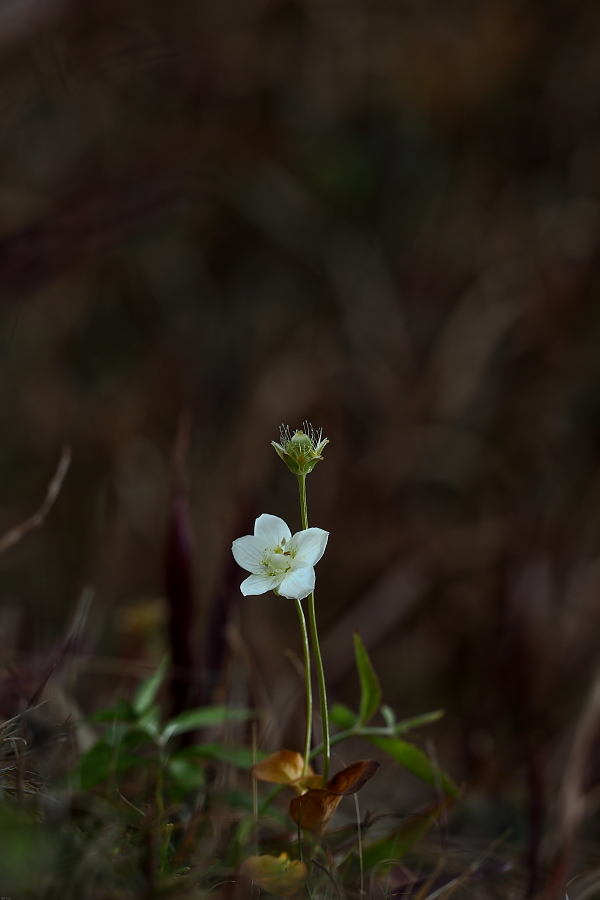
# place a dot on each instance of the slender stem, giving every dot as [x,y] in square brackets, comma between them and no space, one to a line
[312,619]
[303,506]
[307,676]
[254,793]
[314,635]
[272,795]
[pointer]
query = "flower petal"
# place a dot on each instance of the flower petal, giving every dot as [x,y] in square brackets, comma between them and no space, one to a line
[271,530]
[248,552]
[309,546]
[258,584]
[298,583]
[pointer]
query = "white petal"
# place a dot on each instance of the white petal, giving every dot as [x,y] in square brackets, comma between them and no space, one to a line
[309,546]
[258,584]
[298,583]
[248,552]
[271,530]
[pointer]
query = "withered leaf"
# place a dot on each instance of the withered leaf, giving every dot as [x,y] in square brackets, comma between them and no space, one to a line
[277,874]
[315,808]
[353,777]
[310,781]
[282,767]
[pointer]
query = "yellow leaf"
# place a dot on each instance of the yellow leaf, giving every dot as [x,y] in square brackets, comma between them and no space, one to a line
[284,767]
[277,874]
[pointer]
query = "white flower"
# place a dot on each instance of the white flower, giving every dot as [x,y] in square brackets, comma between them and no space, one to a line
[277,560]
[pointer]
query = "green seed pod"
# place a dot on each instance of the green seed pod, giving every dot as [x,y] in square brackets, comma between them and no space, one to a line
[300,451]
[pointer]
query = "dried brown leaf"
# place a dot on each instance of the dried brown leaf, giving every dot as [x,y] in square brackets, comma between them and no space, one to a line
[353,777]
[315,808]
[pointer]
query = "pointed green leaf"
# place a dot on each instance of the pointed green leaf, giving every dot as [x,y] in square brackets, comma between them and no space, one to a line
[342,716]
[416,762]
[418,721]
[126,737]
[149,688]
[203,718]
[370,691]
[186,774]
[122,711]
[237,756]
[149,721]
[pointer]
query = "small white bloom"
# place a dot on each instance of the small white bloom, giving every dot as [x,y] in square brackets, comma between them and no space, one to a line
[278,560]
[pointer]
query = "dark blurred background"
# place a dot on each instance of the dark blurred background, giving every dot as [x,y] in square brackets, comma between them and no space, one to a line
[381,217]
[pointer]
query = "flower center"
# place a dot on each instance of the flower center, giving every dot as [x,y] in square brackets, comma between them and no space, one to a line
[277,560]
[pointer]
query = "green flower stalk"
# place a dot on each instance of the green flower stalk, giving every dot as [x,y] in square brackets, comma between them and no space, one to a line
[301,452]
[283,562]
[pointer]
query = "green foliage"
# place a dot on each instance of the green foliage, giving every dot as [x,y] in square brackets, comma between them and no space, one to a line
[122,711]
[28,849]
[134,737]
[386,738]
[148,689]
[105,760]
[240,757]
[415,722]
[415,761]
[370,690]
[343,716]
[150,808]
[202,718]
[185,775]
[150,805]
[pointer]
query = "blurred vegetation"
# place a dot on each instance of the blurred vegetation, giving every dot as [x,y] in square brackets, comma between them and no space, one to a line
[380,217]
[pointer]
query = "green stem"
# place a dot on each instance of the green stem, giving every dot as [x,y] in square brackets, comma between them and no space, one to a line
[321,682]
[314,635]
[309,699]
[272,795]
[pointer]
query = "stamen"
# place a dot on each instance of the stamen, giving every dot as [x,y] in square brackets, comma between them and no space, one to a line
[313,436]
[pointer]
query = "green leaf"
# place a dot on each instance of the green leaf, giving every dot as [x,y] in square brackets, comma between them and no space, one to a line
[149,688]
[342,716]
[102,760]
[149,721]
[122,711]
[393,847]
[388,716]
[126,737]
[370,691]
[416,762]
[237,756]
[233,798]
[203,718]
[186,774]
[418,721]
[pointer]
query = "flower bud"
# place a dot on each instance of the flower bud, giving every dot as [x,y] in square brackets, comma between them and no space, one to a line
[300,451]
